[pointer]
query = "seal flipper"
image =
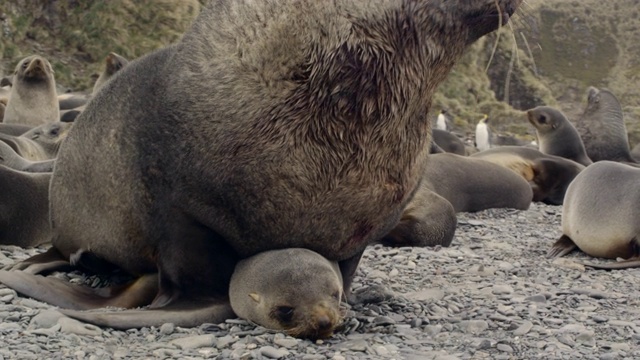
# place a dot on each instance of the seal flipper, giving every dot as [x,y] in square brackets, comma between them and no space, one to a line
[49,261]
[64,294]
[562,247]
[184,314]
[625,264]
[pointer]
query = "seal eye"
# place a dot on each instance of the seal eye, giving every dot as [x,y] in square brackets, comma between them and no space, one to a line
[55,131]
[25,65]
[284,314]
[543,119]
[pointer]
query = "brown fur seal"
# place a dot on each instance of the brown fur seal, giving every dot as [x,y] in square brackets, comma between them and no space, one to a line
[602,127]
[33,100]
[548,175]
[113,63]
[600,215]
[24,219]
[318,140]
[448,142]
[40,143]
[556,135]
[471,184]
[295,290]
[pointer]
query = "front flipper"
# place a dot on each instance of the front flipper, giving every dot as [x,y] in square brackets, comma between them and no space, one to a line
[562,247]
[180,313]
[66,295]
[625,264]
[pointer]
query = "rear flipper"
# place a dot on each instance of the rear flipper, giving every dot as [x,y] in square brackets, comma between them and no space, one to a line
[562,247]
[63,294]
[49,261]
[625,264]
[181,313]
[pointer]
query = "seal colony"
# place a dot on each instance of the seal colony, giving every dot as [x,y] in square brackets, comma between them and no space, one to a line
[318,140]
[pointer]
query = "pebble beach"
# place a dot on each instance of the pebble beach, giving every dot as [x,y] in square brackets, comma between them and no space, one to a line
[492,294]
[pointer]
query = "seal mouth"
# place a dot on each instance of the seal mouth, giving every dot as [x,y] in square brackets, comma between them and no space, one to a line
[36,69]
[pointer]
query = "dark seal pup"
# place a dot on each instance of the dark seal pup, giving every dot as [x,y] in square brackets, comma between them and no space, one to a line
[602,128]
[33,99]
[556,135]
[295,290]
[253,133]
[600,215]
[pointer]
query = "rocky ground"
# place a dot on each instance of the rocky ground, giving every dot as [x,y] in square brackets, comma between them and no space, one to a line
[491,295]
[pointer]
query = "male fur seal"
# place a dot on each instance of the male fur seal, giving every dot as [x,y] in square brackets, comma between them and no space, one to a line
[602,127]
[548,175]
[40,143]
[33,99]
[252,133]
[24,219]
[556,135]
[600,215]
[295,290]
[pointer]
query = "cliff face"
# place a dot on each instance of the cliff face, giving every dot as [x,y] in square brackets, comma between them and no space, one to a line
[548,55]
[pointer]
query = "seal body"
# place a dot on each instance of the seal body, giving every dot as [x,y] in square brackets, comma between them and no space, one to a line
[602,127]
[24,220]
[601,211]
[548,175]
[33,98]
[556,135]
[39,143]
[295,290]
[248,136]
[448,142]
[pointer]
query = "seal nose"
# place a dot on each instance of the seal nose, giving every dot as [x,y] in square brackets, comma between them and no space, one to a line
[324,323]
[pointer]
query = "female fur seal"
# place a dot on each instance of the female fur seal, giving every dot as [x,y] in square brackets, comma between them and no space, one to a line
[600,215]
[33,99]
[295,290]
[602,127]
[556,135]
[270,125]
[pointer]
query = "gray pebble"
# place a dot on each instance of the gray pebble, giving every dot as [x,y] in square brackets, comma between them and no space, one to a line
[505,348]
[73,326]
[167,329]
[194,342]
[273,353]
[523,329]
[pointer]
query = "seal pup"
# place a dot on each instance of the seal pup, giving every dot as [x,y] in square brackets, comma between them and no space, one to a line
[548,175]
[295,290]
[600,215]
[483,136]
[448,142]
[556,135]
[24,219]
[336,99]
[602,129]
[40,143]
[33,99]
[113,63]
[9,158]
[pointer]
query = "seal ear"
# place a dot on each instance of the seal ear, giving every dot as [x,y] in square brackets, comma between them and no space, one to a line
[255,297]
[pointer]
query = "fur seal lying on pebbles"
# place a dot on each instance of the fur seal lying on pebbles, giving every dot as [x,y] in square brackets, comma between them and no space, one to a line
[295,290]
[602,127]
[556,135]
[335,99]
[600,215]
[548,175]
[33,99]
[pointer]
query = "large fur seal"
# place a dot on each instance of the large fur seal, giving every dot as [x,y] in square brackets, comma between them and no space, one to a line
[295,290]
[253,133]
[556,135]
[600,214]
[33,99]
[548,175]
[602,127]
[24,219]
[40,143]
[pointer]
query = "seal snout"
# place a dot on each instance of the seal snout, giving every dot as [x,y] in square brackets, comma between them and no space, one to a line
[36,68]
